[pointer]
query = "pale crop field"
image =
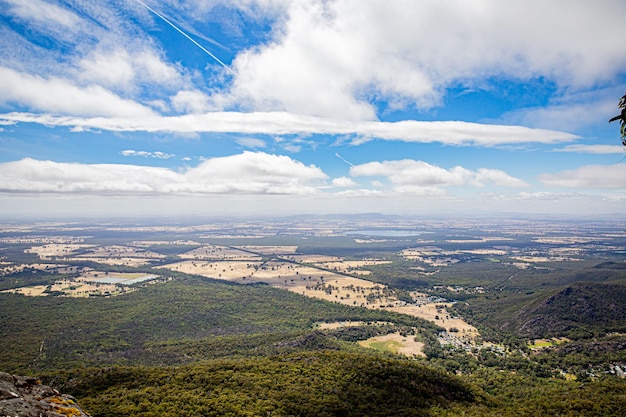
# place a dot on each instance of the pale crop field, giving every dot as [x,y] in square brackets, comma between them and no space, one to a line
[236,271]
[351,266]
[395,343]
[57,249]
[118,251]
[439,316]
[223,253]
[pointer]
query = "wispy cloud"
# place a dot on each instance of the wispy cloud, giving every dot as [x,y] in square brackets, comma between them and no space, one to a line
[278,123]
[253,143]
[43,12]
[593,149]
[146,154]
[589,177]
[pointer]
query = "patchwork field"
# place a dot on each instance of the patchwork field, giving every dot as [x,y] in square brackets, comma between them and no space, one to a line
[318,283]
[329,278]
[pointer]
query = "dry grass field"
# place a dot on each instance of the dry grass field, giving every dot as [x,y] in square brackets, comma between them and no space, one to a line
[220,253]
[236,271]
[395,343]
[438,314]
[55,250]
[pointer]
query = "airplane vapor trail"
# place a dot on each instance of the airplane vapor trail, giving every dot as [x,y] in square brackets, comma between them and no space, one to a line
[344,159]
[186,36]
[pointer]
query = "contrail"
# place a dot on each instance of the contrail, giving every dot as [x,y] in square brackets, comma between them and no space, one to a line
[186,36]
[343,159]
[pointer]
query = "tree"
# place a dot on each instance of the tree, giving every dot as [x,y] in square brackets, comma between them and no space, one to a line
[622,118]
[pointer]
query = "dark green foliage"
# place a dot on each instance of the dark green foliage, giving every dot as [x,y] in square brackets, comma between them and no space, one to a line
[577,311]
[612,265]
[160,324]
[28,277]
[515,395]
[321,383]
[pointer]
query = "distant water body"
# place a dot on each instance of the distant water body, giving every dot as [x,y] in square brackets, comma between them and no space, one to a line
[386,233]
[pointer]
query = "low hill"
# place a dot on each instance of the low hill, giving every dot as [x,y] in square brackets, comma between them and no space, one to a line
[577,311]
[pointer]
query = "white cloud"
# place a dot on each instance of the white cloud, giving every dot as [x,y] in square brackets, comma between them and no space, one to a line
[333,58]
[43,12]
[593,149]
[570,111]
[57,95]
[191,101]
[112,69]
[257,172]
[146,154]
[251,142]
[418,177]
[497,177]
[124,69]
[588,176]
[278,123]
[343,182]
[246,173]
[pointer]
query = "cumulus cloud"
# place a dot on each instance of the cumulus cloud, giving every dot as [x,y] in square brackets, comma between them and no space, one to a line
[191,101]
[334,58]
[279,123]
[343,182]
[343,59]
[588,176]
[419,177]
[246,173]
[60,96]
[120,68]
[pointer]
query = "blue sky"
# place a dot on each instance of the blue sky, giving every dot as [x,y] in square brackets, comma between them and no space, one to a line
[429,107]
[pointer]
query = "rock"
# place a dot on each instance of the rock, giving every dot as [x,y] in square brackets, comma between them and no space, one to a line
[28,397]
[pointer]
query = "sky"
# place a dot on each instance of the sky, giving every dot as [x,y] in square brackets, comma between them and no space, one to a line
[179,108]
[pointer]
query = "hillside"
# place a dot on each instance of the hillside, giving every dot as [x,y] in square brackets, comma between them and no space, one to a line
[181,321]
[316,383]
[578,310]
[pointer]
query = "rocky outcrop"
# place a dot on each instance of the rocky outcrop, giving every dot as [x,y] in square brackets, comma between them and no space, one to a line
[27,397]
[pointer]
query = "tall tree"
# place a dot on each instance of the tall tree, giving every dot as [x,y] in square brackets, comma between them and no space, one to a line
[622,118]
